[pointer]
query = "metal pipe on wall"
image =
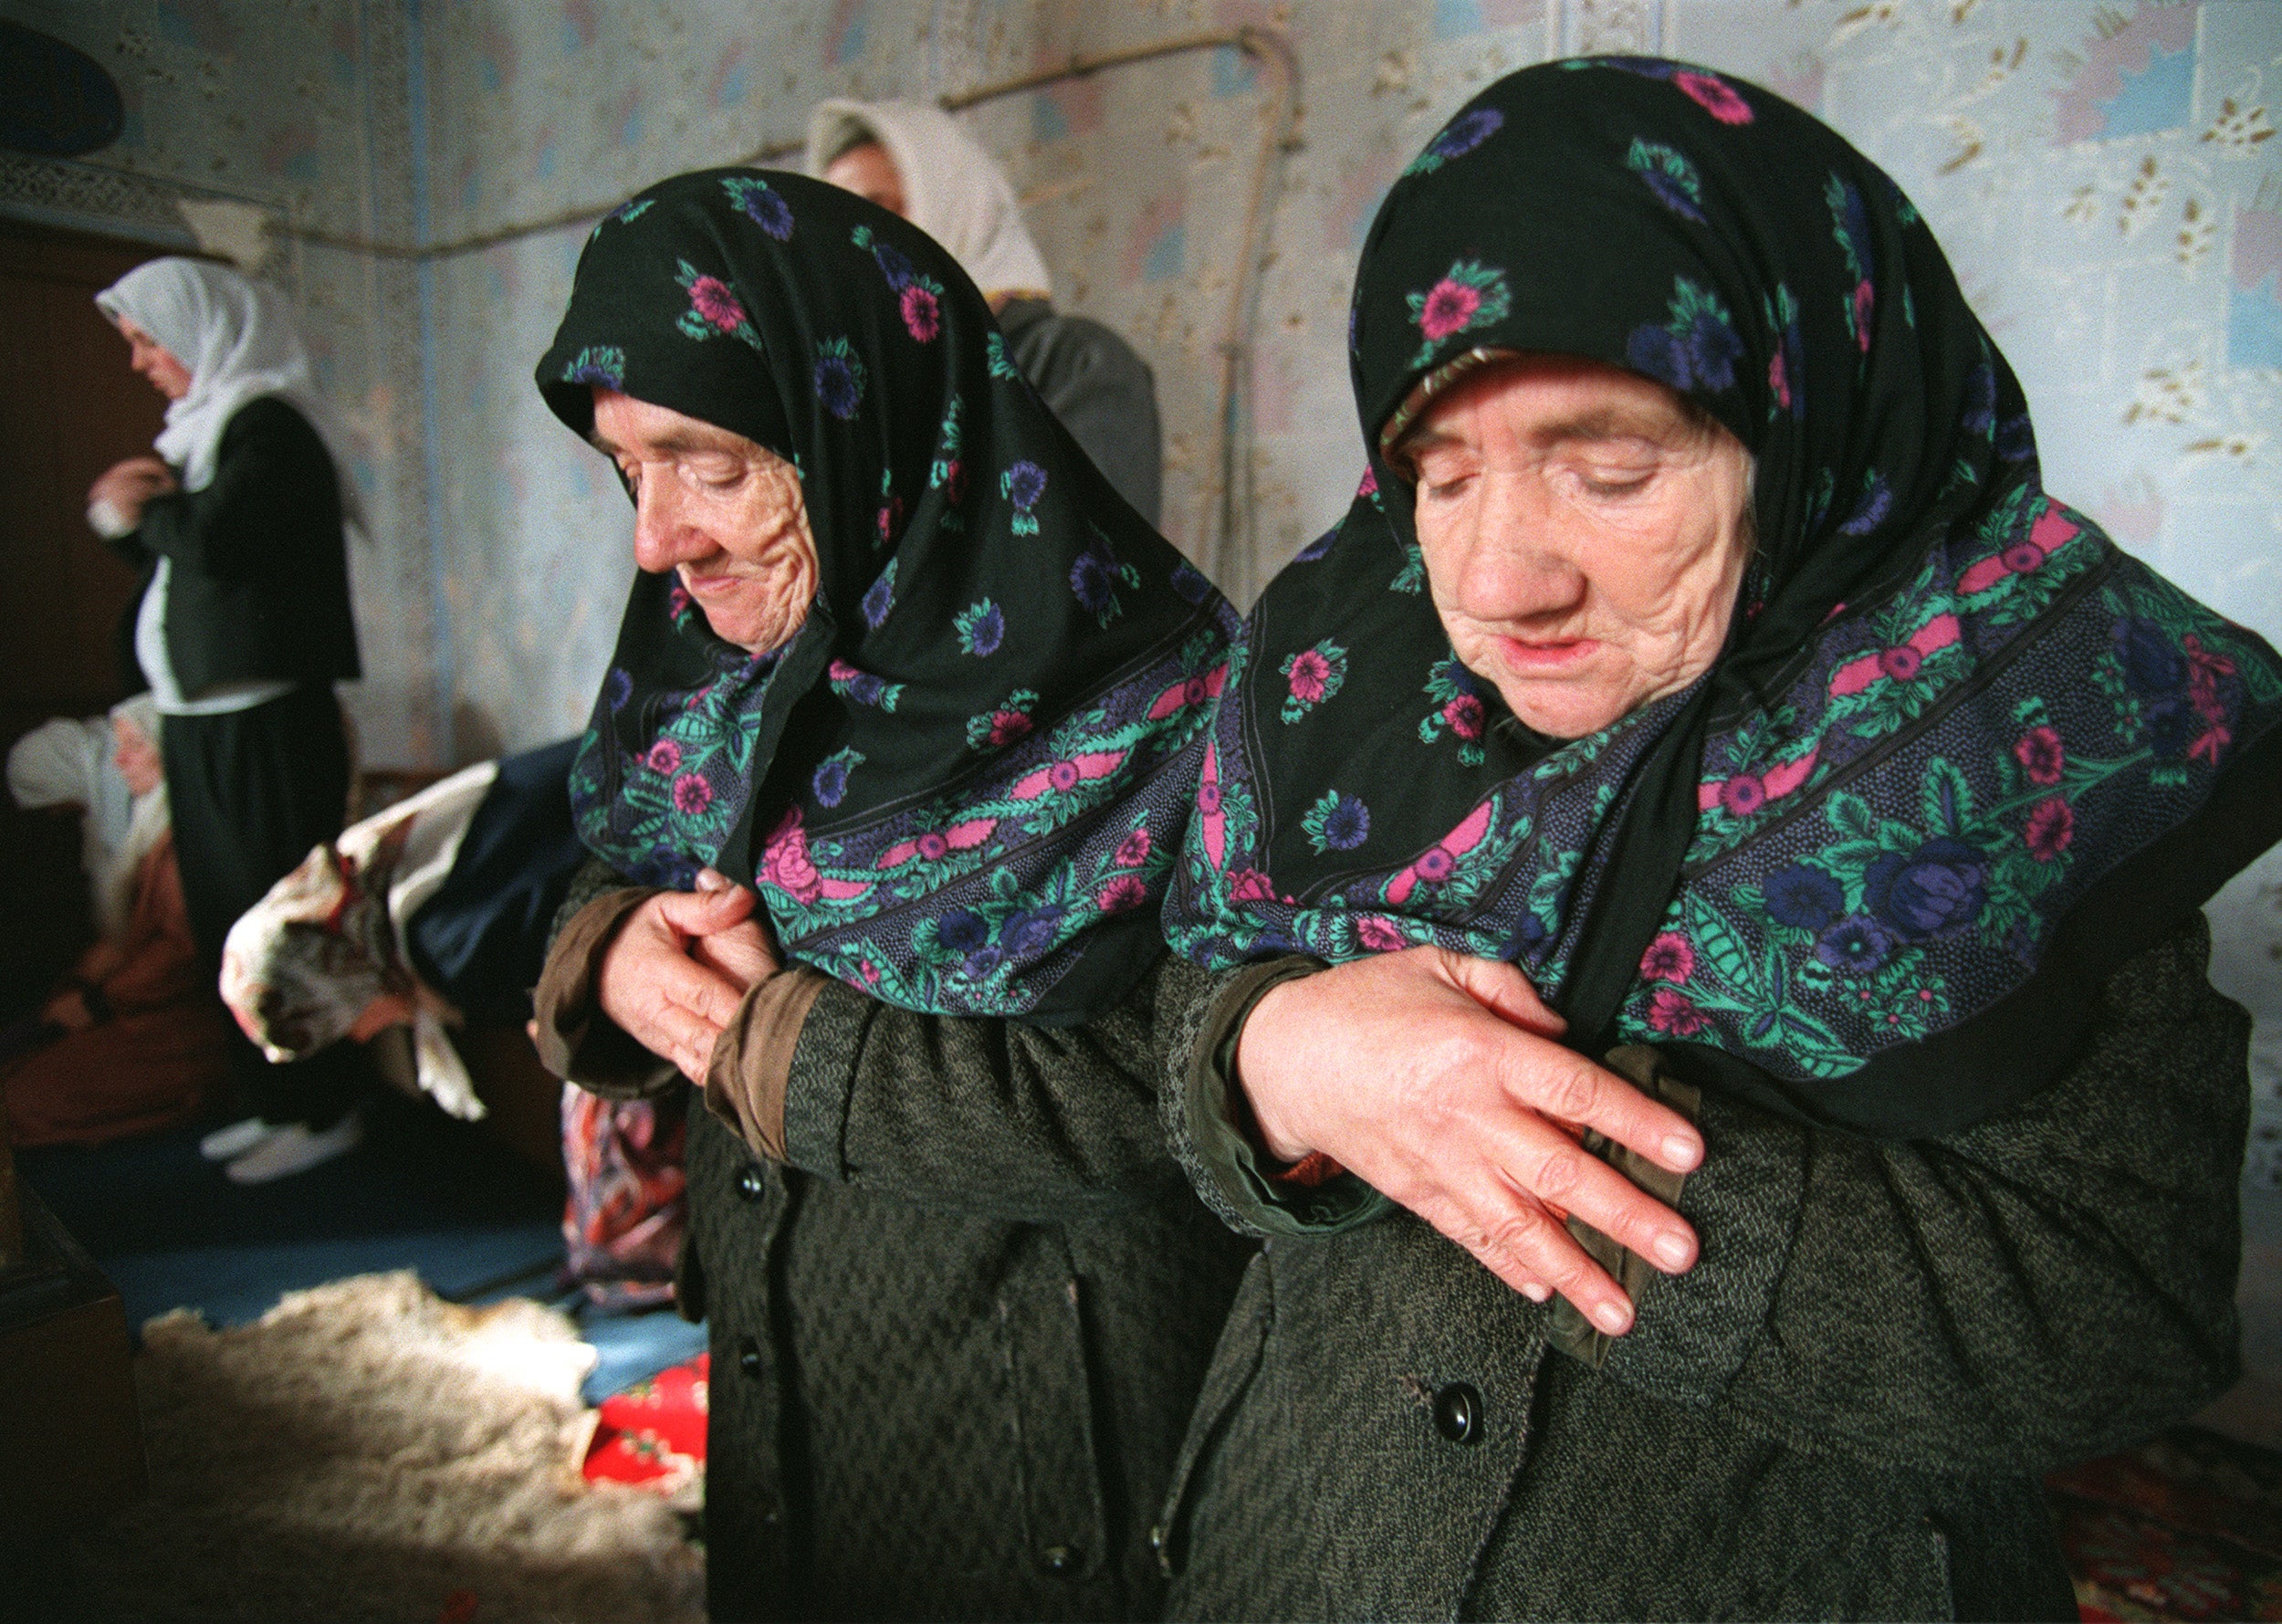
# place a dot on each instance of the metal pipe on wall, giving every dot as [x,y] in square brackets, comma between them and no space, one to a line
[1221,514]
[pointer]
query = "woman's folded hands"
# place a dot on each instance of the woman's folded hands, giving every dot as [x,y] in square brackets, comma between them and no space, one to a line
[1437,1079]
[679,966]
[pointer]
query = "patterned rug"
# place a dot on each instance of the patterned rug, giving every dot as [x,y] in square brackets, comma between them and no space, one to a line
[2188,1526]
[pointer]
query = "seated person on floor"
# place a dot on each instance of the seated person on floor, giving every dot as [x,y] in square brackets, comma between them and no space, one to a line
[133,1040]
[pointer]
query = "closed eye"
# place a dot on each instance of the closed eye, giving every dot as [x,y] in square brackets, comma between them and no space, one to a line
[721,472]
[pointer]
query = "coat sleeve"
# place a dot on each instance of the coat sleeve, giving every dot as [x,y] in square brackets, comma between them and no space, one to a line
[273,482]
[988,1115]
[2052,1283]
[576,1041]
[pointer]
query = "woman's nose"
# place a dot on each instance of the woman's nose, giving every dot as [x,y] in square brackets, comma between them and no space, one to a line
[662,537]
[1519,562]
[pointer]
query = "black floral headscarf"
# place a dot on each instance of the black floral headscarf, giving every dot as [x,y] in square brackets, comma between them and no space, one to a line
[959,787]
[1958,756]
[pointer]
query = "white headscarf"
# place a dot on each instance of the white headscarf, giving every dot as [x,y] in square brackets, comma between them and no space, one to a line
[239,341]
[952,189]
[70,762]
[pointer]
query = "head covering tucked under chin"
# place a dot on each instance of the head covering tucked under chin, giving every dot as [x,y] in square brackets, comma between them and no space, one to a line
[240,343]
[953,190]
[1960,757]
[960,786]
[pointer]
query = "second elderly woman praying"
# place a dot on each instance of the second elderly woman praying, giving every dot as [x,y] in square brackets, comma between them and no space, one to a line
[1702,699]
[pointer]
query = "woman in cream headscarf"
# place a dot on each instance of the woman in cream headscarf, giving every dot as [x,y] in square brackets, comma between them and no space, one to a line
[243,630]
[912,159]
[133,1039]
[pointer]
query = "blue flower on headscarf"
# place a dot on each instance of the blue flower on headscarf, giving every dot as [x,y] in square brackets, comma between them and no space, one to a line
[1190,584]
[1696,349]
[962,930]
[2168,726]
[604,365]
[1025,483]
[761,205]
[1030,931]
[1805,896]
[1337,823]
[1936,890]
[839,378]
[880,597]
[894,265]
[1870,512]
[1461,136]
[981,627]
[618,687]
[830,780]
[1466,133]
[1854,946]
[2152,662]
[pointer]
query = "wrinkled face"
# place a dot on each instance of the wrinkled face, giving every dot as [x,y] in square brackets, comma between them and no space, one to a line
[155,362]
[1584,534]
[867,170]
[725,513]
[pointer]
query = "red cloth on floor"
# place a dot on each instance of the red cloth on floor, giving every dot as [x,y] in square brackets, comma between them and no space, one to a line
[653,1435]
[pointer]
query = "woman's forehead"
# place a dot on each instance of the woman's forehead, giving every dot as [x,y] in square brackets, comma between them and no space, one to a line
[1553,398]
[623,423]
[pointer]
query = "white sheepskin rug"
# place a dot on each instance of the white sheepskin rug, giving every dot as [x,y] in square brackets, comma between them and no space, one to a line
[367,1450]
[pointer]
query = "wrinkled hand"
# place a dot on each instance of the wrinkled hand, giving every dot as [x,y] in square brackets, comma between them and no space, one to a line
[128,484]
[679,966]
[743,952]
[1435,1077]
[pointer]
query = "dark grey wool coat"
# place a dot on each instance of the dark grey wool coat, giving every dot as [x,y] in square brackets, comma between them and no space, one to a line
[1842,1411]
[955,1343]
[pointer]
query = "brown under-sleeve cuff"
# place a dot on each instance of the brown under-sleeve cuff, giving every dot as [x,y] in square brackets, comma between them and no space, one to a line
[576,1041]
[751,1069]
[1643,1067]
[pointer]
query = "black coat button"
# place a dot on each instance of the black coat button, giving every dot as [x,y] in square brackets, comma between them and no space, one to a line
[1458,1412]
[1060,1560]
[749,1356]
[751,1185]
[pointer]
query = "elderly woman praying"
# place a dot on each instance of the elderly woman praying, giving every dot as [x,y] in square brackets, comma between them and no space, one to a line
[905,682]
[1702,712]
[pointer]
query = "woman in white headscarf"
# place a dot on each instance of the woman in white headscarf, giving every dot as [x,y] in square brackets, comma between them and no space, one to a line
[133,1039]
[911,158]
[243,629]
[75,762]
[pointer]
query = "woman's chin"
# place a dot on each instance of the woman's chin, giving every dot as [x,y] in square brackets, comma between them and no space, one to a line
[1560,710]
